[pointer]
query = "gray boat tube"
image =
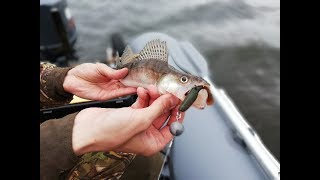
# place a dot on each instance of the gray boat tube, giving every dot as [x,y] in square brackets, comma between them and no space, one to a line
[218,142]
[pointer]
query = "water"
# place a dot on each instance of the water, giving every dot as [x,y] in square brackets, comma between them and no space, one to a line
[240,40]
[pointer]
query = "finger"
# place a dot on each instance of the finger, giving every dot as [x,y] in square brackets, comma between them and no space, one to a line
[153,92]
[166,134]
[173,117]
[111,73]
[142,100]
[160,106]
[158,123]
[119,93]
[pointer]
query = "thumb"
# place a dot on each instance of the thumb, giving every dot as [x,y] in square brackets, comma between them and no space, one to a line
[112,73]
[160,106]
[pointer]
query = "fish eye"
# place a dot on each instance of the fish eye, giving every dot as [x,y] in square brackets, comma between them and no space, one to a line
[184,79]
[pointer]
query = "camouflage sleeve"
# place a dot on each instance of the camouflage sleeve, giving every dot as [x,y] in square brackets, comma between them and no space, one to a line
[52,92]
[56,152]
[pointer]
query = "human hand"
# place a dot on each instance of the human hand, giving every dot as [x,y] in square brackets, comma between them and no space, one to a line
[96,82]
[104,129]
[152,139]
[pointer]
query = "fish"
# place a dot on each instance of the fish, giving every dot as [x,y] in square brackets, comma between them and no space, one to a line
[150,67]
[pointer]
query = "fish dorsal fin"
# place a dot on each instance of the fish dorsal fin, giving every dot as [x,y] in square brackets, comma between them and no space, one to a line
[117,60]
[126,57]
[154,49]
[127,53]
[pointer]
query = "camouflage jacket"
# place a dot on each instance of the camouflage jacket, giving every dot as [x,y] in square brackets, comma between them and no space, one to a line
[57,159]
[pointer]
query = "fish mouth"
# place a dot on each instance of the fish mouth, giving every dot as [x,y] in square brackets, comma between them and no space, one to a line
[209,100]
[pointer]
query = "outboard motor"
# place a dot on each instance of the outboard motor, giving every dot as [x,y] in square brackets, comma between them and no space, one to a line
[57,32]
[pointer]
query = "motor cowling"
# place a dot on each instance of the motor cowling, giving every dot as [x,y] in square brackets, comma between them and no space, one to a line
[58,33]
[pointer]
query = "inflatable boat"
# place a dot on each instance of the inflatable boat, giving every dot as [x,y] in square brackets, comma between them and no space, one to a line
[217,143]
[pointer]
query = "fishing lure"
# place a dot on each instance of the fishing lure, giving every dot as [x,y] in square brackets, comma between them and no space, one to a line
[190,98]
[176,128]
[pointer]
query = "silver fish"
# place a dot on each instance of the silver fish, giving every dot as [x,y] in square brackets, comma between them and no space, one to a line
[150,67]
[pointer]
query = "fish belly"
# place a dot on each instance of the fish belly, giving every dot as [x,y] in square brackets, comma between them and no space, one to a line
[140,77]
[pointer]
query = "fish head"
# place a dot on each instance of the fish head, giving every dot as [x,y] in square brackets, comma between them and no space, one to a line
[179,84]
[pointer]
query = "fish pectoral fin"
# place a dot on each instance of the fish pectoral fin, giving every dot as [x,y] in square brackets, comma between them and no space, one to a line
[154,49]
